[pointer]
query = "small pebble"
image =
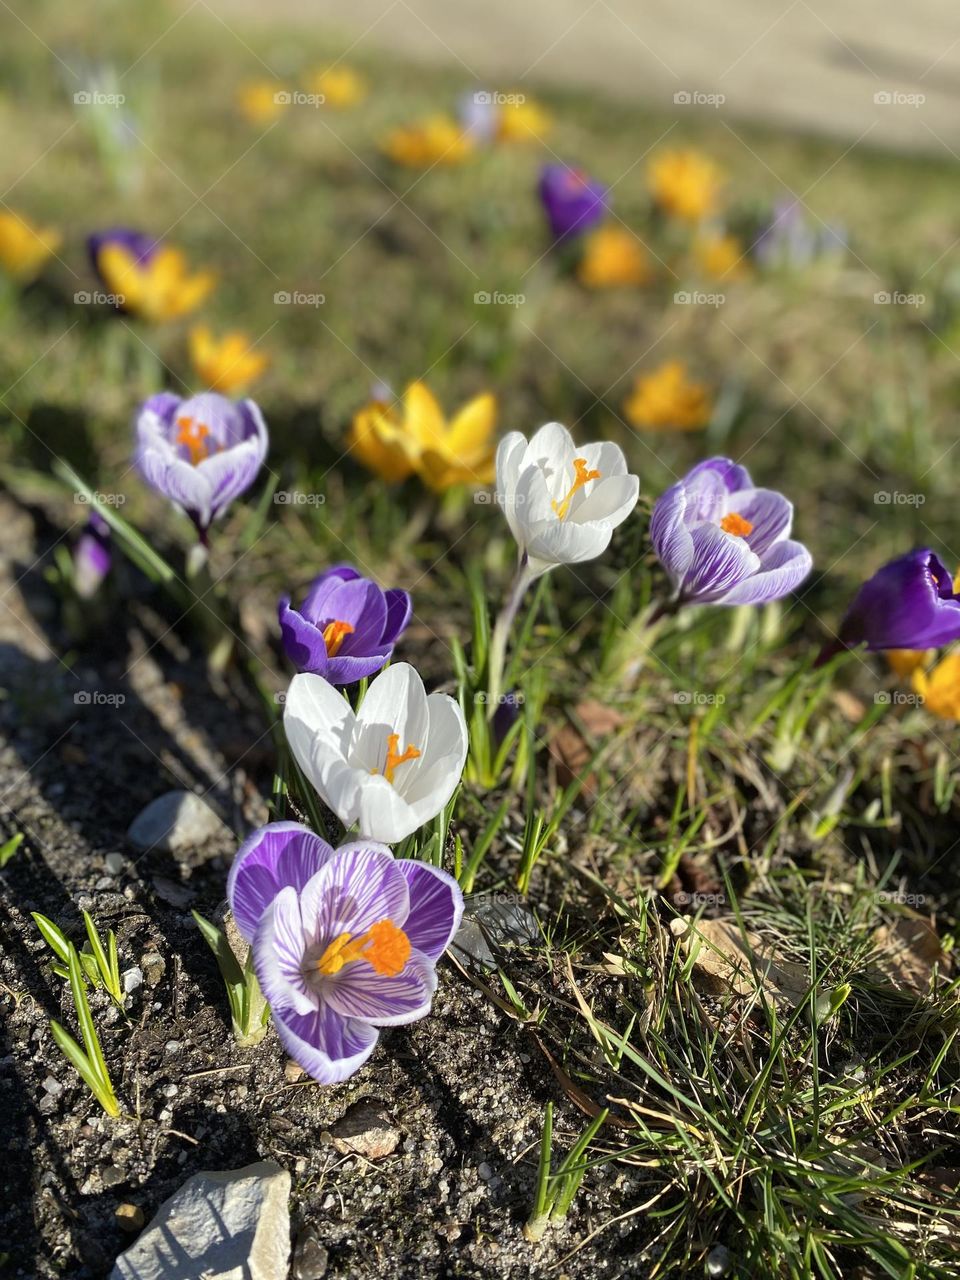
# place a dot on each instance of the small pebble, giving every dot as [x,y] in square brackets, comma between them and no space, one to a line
[485,1172]
[113,863]
[53,1086]
[170,1090]
[173,1046]
[132,979]
[129,1217]
[718,1260]
[112,1176]
[293,1071]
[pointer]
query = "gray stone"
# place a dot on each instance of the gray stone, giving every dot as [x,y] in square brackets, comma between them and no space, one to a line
[232,1225]
[132,979]
[310,1258]
[114,863]
[176,823]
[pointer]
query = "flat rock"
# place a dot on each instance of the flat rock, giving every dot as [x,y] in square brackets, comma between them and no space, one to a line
[231,1225]
[177,822]
[365,1130]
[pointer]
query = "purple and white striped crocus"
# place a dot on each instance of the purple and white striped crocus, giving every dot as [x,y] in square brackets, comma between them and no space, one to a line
[346,627]
[724,541]
[201,453]
[345,941]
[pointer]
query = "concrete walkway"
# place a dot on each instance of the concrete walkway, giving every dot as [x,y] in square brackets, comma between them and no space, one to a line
[883,71]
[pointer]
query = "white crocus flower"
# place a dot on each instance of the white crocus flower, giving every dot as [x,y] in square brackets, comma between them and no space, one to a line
[562,502]
[390,767]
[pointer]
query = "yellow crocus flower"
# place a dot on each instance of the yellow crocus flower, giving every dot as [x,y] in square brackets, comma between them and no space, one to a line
[262,101]
[338,86]
[415,437]
[940,687]
[25,248]
[685,183]
[228,364]
[611,257]
[720,256]
[159,287]
[667,398]
[523,121]
[437,140]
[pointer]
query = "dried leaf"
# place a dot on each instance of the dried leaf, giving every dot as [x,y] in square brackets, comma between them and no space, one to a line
[722,963]
[909,950]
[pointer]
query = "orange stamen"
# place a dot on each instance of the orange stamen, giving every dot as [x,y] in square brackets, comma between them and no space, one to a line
[583,476]
[385,947]
[196,437]
[736,525]
[334,634]
[394,758]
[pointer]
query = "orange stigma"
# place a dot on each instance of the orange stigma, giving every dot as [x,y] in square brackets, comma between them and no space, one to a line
[736,525]
[334,634]
[385,947]
[394,758]
[582,477]
[196,436]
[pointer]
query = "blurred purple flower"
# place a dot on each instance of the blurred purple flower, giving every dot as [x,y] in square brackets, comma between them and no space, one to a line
[723,541]
[346,627]
[200,453]
[572,202]
[91,557]
[788,239]
[908,604]
[345,941]
[505,717]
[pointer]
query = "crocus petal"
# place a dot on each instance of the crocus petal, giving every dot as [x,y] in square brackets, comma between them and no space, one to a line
[446,754]
[399,609]
[360,885]
[384,814]
[782,569]
[360,603]
[610,500]
[276,856]
[330,1048]
[178,481]
[395,703]
[358,991]
[314,602]
[348,668]
[732,475]
[769,512]
[318,723]
[436,907]
[670,535]
[510,454]
[720,562]
[303,642]
[278,951]
[552,449]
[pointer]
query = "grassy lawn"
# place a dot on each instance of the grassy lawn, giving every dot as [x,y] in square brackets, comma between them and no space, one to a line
[798,1115]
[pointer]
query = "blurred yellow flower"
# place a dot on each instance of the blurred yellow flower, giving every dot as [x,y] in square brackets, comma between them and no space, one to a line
[24,248]
[613,256]
[668,398]
[720,256]
[685,183]
[524,121]
[436,140]
[261,101]
[416,438]
[338,86]
[159,287]
[228,364]
[904,662]
[940,688]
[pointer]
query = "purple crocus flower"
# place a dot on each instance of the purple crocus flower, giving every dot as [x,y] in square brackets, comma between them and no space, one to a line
[908,604]
[788,239]
[346,627]
[723,541]
[91,557]
[200,453]
[572,202]
[345,941]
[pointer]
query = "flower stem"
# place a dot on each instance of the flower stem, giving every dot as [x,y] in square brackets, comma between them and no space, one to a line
[501,630]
